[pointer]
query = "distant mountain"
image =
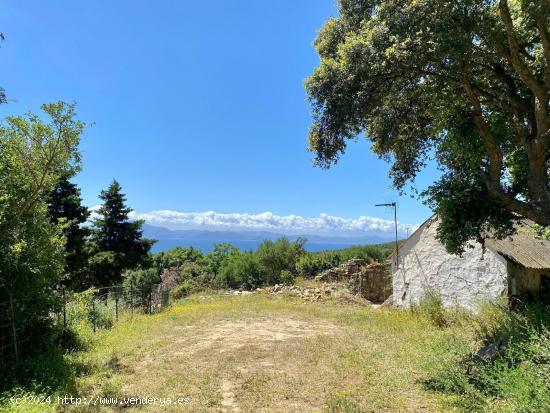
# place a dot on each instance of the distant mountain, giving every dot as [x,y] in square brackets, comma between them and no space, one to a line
[204,239]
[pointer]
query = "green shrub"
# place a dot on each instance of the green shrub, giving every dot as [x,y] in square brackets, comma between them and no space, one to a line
[85,309]
[515,377]
[216,258]
[175,258]
[367,252]
[184,289]
[277,256]
[310,265]
[101,315]
[431,307]
[241,271]
[286,277]
[140,280]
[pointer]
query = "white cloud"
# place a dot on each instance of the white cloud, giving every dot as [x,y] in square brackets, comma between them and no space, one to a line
[324,224]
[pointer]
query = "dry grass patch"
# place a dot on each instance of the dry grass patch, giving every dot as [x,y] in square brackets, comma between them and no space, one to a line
[259,353]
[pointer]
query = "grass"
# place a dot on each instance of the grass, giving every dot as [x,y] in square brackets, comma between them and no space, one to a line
[514,377]
[269,353]
[260,353]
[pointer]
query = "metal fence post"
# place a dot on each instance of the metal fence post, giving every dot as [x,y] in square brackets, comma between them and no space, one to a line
[64,309]
[93,313]
[116,304]
[150,301]
[165,297]
[16,350]
[132,297]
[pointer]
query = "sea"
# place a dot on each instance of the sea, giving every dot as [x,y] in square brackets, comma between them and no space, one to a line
[247,245]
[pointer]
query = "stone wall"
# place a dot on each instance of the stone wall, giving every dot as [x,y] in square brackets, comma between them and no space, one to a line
[169,278]
[425,266]
[372,281]
[343,272]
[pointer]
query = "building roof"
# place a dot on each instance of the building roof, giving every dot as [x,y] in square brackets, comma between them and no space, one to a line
[523,248]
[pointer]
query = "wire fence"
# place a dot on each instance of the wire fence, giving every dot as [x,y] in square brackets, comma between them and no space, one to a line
[96,309]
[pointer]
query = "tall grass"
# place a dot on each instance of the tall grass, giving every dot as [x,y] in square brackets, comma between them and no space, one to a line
[512,375]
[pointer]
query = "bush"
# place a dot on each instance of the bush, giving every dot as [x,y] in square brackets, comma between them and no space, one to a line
[286,277]
[367,252]
[141,280]
[277,256]
[309,265]
[100,315]
[84,309]
[516,377]
[215,259]
[184,289]
[175,258]
[431,307]
[241,271]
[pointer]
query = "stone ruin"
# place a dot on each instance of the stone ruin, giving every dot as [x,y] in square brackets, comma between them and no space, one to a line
[371,281]
[342,272]
[169,278]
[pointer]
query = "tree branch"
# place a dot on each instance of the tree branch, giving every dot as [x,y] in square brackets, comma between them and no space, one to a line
[545,40]
[515,50]
[494,173]
[538,89]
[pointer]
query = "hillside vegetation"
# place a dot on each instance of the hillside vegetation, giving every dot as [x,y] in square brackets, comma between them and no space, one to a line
[280,261]
[279,353]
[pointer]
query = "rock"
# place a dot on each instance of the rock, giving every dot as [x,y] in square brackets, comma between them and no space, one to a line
[490,351]
[388,302]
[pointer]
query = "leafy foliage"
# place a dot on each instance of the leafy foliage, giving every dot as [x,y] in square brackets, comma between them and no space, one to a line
[217,258]
[311,264]
[464,82]
[175,257]
[241,271]
[141,279]
[278,256]
[279,261]
[515,378]
[33,157]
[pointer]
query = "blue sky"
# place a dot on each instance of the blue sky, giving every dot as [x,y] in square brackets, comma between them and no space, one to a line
[198,106]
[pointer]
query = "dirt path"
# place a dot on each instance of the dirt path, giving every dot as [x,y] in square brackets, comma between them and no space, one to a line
[245,352]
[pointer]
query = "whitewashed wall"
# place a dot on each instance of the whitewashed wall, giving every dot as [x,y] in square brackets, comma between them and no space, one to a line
[424,266]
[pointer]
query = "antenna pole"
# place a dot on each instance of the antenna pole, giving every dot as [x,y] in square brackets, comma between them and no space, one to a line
[396,244]
[394,206]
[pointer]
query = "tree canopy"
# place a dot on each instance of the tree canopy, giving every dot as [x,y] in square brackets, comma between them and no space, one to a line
[34,154]
[66,209]
[117,241]
[3,98]
[464,82]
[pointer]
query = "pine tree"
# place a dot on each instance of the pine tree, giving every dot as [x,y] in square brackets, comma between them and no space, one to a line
[65,208]
[117,241]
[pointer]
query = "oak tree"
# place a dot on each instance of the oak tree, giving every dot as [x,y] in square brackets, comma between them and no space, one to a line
[464,82]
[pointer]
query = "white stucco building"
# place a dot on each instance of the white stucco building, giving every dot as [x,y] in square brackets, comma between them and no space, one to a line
[512,266]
